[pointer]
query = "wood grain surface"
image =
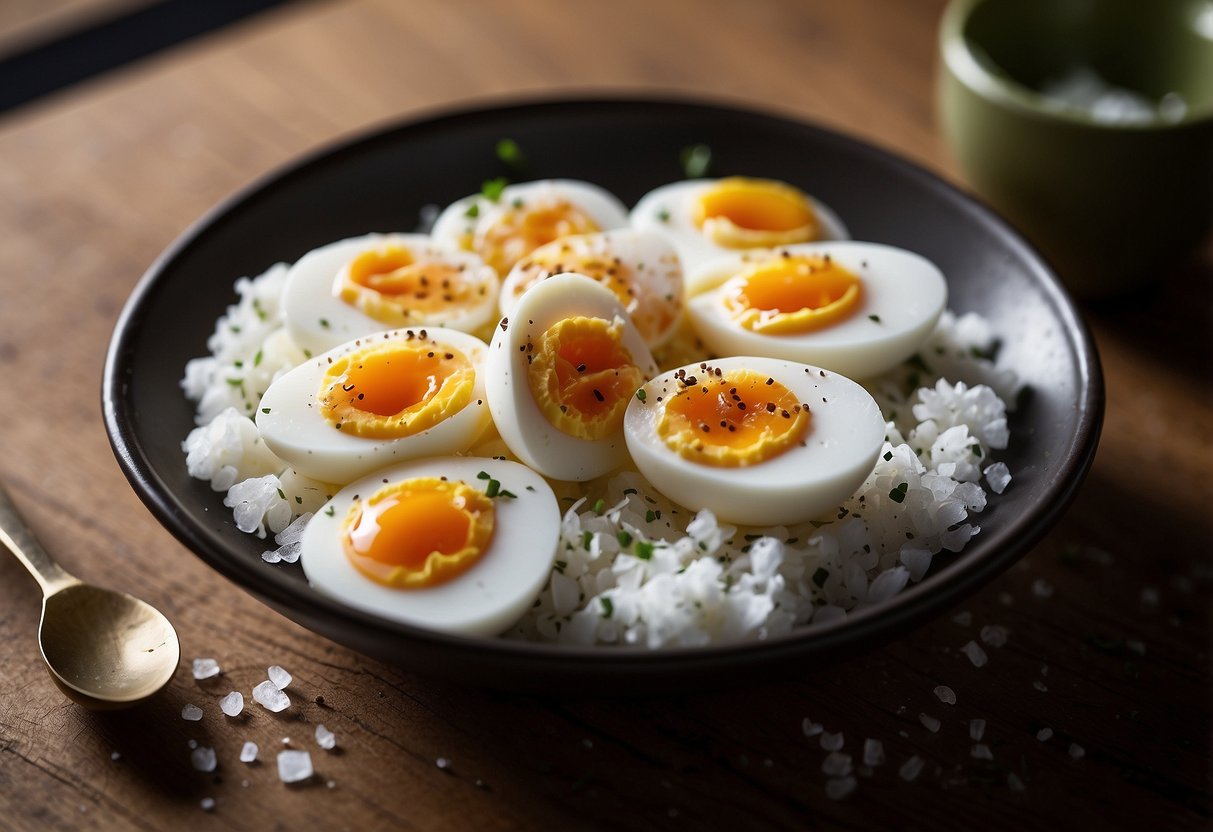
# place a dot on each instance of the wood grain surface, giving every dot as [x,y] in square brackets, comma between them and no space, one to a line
[1108,618]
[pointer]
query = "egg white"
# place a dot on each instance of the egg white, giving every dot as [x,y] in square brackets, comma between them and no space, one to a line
[903,296]
[292,425]
[846,432]
[483,601]
[318,320]
[669,210]
[519,420]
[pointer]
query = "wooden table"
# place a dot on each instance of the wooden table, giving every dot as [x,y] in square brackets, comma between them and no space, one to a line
[1108,617]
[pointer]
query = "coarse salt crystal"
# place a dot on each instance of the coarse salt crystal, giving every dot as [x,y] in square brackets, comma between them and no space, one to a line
[873,752]
[115,756]
[191,712]
[977,729]
[976,655]
[205,668]
[832,742]
[981,751]
[910,769]
[998,476]
[946,694]
[811,728]
[279,677]
[836,764]
[1014,783]
[994,635]
[964,618]
[1044,734]
[1042,588]
[207,804]
[203,758]
[192,743]
[443,763]
[1040,686]
[1077,751]
[248,752]
[929,722]
[294,766]
[325,738]
[232,704]
[840,787]
[271,697]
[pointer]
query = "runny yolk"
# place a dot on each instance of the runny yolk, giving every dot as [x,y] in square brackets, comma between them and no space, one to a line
[419,532]
[733,420]
[395,388]
[526,227]
[391,286]
[738,212]
[792,294]
[582,376]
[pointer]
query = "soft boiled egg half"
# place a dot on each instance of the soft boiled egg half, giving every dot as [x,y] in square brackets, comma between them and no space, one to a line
[856,308]
[705,218]
[561,370]
[641,268]
[379,399]
[525,216]
[458,544]
[758,441]
[353,287]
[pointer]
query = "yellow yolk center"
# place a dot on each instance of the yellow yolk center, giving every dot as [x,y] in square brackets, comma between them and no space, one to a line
[743,213]
[792,294]
[396,388]
[582,376]
[419,532]
[733,420]
[392,287]
[522,229]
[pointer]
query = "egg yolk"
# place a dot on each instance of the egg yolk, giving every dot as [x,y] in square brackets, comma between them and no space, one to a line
[732,420]
[525,227]
[582,376]
[395,389]
[744,213]
[419,532]
[787,295]
[391,286]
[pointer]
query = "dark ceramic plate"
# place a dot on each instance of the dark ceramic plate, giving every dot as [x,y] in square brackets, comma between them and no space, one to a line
[381,181]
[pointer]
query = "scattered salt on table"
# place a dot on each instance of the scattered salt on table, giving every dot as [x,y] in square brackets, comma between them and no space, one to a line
[840,787]
[443,763]
[232,704]
[981,751]
[1044,734]
[964,618]
[279,677]
[1014,783]
[998,476]
[832,742]
[929,722]
[248,752]
[294,766]
[910,769]
[946,694]
[836,764]
[1040,686]
[325,738]
[873,752]
[271,697]
[1077,751]
[994,635]
[811,728]
[203,758]
[976,655]
[977,729]
[205,668]
[207,804]
[1042,588]
[191,712]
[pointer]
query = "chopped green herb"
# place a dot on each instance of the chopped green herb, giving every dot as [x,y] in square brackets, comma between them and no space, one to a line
[607,607]
[509,152]
[483,475]
[492,188]
[663,215]
[281,494]
[625,539]
[898,494]
[257,358]
[586,538]
[509,494]
[644,549]
[238,364]
[265,410]
[874,318]
[530,488]
[696,160]
[599,506]
[650,516]
[820,577]
[976,449]
[329,511]
[257,308]
[492,488]
[473,210]
[324,322]
[298,499]
[640,394]
[888,455]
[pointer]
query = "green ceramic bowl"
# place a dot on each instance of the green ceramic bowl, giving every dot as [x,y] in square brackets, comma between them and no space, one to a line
[1089,124]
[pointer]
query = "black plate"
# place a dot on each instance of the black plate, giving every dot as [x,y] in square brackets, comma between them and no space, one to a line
[379,182]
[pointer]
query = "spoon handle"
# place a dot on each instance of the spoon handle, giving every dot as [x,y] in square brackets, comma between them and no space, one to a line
[22,543]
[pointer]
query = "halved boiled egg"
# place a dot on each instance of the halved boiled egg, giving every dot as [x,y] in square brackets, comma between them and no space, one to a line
[758,441]
[526,216]
[856,308]
[705,218]
[353,287]
[458,544]
[639,267]
[561,370]
[376,400]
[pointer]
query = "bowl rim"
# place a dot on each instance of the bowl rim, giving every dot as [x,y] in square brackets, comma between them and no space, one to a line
[959,58]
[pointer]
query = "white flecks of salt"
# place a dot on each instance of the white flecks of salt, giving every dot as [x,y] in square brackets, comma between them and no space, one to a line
[873,752]
[1077,751]
[832,742]
[294,766]
[203,758]
[836,764]
[981,751]
[1040,686]
[910,769]
[205,668]
[963,618]
[838,788]
[1042,588]
[998,476]
[811,728]
[289,540]
[248,752]
[270,697]
[994,635]
[929,722]
[191,713]
[1044,734]
[207,804]
[325,738]
[1014,783]
[232,704]
[192,743]
[976,655]
[279,677]
[443,763]
[945,694]
[115,756]
[977,729]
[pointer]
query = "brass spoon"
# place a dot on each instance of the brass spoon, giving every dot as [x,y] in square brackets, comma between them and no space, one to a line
[104,649]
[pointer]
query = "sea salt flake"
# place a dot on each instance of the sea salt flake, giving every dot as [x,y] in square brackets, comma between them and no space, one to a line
[811,728]
[963,618]
[1044,734]
[115,756]
[325,738]
[977,729]
[836,764]
[1040,686]
[294,766]
[910,769]
[205,668]
[1077,751]
[832,742]
[1014,783]
[998,476]
[873,752]
[270,697]
[232,704]
[945,694]
[930,723]
[248,752]
[207,804]
[976,655]
[1042,588]
[994,635]
[839,788]
[279,677]
[203,758]
[443,763]
[191,712]
[981,751]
